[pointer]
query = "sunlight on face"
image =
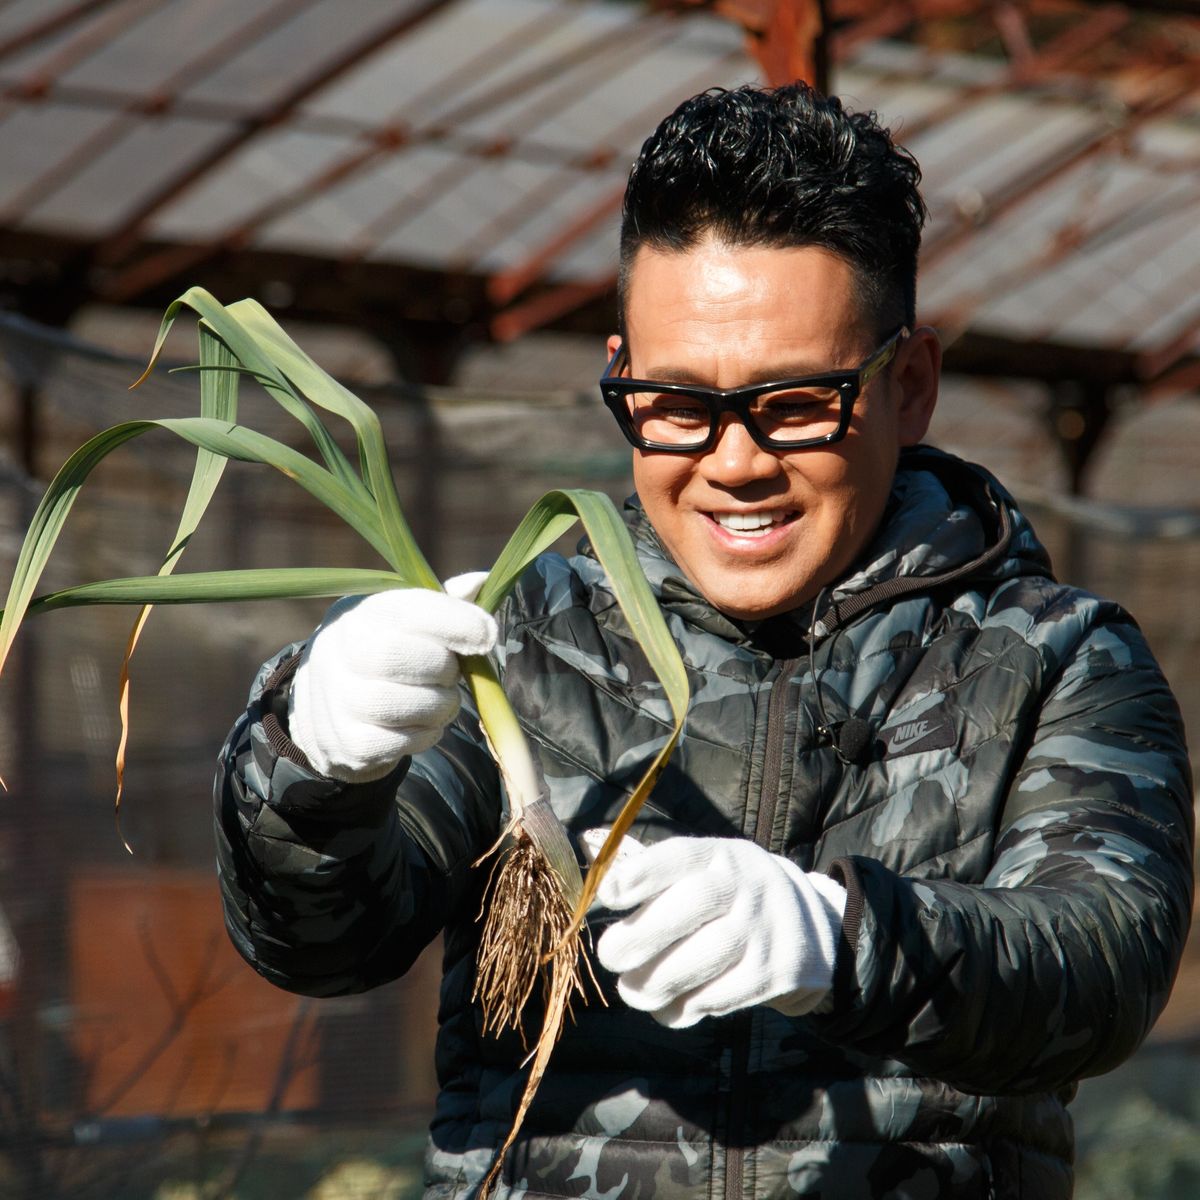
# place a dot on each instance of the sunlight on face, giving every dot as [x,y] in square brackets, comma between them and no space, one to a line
[758,531]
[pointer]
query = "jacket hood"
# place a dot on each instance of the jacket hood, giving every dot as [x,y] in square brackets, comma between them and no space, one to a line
[946,520]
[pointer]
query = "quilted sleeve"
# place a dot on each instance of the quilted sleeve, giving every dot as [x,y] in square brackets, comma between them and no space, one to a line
[330,888]
[1058,965]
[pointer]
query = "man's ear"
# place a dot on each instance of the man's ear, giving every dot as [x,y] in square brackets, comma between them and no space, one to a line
[917,371]
[614,343]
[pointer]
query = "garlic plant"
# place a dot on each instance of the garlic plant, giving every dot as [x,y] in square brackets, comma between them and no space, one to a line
[536,884]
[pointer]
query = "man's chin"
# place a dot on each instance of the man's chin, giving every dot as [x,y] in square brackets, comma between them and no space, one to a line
[733,603]
[750,591]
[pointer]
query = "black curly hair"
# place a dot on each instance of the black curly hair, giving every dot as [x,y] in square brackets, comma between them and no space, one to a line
[781,167]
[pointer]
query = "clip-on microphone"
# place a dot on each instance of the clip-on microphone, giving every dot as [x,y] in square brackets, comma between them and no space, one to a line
[851,739]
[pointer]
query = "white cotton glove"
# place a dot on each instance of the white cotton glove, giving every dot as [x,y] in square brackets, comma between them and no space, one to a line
[379,678]
[719,924]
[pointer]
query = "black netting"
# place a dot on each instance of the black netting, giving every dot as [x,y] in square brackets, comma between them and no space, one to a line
[138,1056]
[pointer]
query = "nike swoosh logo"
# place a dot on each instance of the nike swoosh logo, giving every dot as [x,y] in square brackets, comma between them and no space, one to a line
[922,731]
[900,743]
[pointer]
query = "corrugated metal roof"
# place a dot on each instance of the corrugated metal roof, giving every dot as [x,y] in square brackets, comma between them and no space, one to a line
[489,140]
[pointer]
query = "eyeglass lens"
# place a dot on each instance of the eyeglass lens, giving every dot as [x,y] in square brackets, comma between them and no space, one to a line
[792,415]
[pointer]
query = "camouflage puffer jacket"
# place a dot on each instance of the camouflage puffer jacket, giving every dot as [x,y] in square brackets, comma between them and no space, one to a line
[1004,791]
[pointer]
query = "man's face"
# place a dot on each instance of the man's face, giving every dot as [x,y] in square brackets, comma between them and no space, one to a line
[726,316]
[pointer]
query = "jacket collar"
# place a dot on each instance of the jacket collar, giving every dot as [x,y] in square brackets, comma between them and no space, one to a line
[946,519]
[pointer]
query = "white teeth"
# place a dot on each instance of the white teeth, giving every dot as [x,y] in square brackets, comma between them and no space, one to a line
[748,522]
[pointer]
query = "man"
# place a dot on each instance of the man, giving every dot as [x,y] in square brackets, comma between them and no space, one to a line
[923,856]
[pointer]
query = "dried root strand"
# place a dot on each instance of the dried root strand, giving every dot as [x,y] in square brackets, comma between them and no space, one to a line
[527,939]
[529,935]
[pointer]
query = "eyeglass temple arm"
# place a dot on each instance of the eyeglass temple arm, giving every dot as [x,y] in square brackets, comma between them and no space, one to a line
[883,355]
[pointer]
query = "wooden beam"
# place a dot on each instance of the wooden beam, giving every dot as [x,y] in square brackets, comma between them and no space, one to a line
[1176,92]
[152,269]
[792,43]
[506,285]
[123,240]
[1152,364]
[369,295]
[993,356]
[545,307]
[787,38]
[158,104]
[49,26]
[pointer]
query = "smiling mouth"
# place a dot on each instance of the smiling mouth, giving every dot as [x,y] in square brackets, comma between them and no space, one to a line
[752,523]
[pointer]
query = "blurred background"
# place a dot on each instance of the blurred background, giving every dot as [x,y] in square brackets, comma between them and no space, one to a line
[426,193]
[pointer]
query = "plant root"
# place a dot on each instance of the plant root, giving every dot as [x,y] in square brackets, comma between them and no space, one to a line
[529,936]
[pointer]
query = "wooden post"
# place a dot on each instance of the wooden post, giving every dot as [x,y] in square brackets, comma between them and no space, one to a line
[788,38]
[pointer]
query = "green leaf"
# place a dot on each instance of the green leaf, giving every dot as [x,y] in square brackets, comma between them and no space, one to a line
[204,587]
[218,401]
[218,437]
[247,351]
[260,343]
[321,388]
[539,529]
[48,520]
[248,445]
[545,522]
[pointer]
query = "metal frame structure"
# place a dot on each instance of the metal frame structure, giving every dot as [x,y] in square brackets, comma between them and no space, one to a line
[1137,62]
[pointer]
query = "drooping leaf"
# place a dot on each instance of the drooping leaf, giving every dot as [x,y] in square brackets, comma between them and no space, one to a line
[243,338]
[549,518]
[545,522]
[48,520]
[219,587]
[218,401]
[218,437]
[257,339]
[248,353]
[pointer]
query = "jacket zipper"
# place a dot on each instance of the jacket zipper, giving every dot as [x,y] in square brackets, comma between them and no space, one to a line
[768,800]
[743,1022]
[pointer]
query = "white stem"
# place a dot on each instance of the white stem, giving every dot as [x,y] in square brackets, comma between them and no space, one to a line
[506,739]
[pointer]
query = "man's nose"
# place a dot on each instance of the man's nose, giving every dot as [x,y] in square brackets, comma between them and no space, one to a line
[736,458]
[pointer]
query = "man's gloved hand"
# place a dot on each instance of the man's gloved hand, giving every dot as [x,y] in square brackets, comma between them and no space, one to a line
[379,678]
[719,924]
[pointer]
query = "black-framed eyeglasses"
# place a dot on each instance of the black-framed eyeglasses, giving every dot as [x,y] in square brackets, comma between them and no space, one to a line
[787,414]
